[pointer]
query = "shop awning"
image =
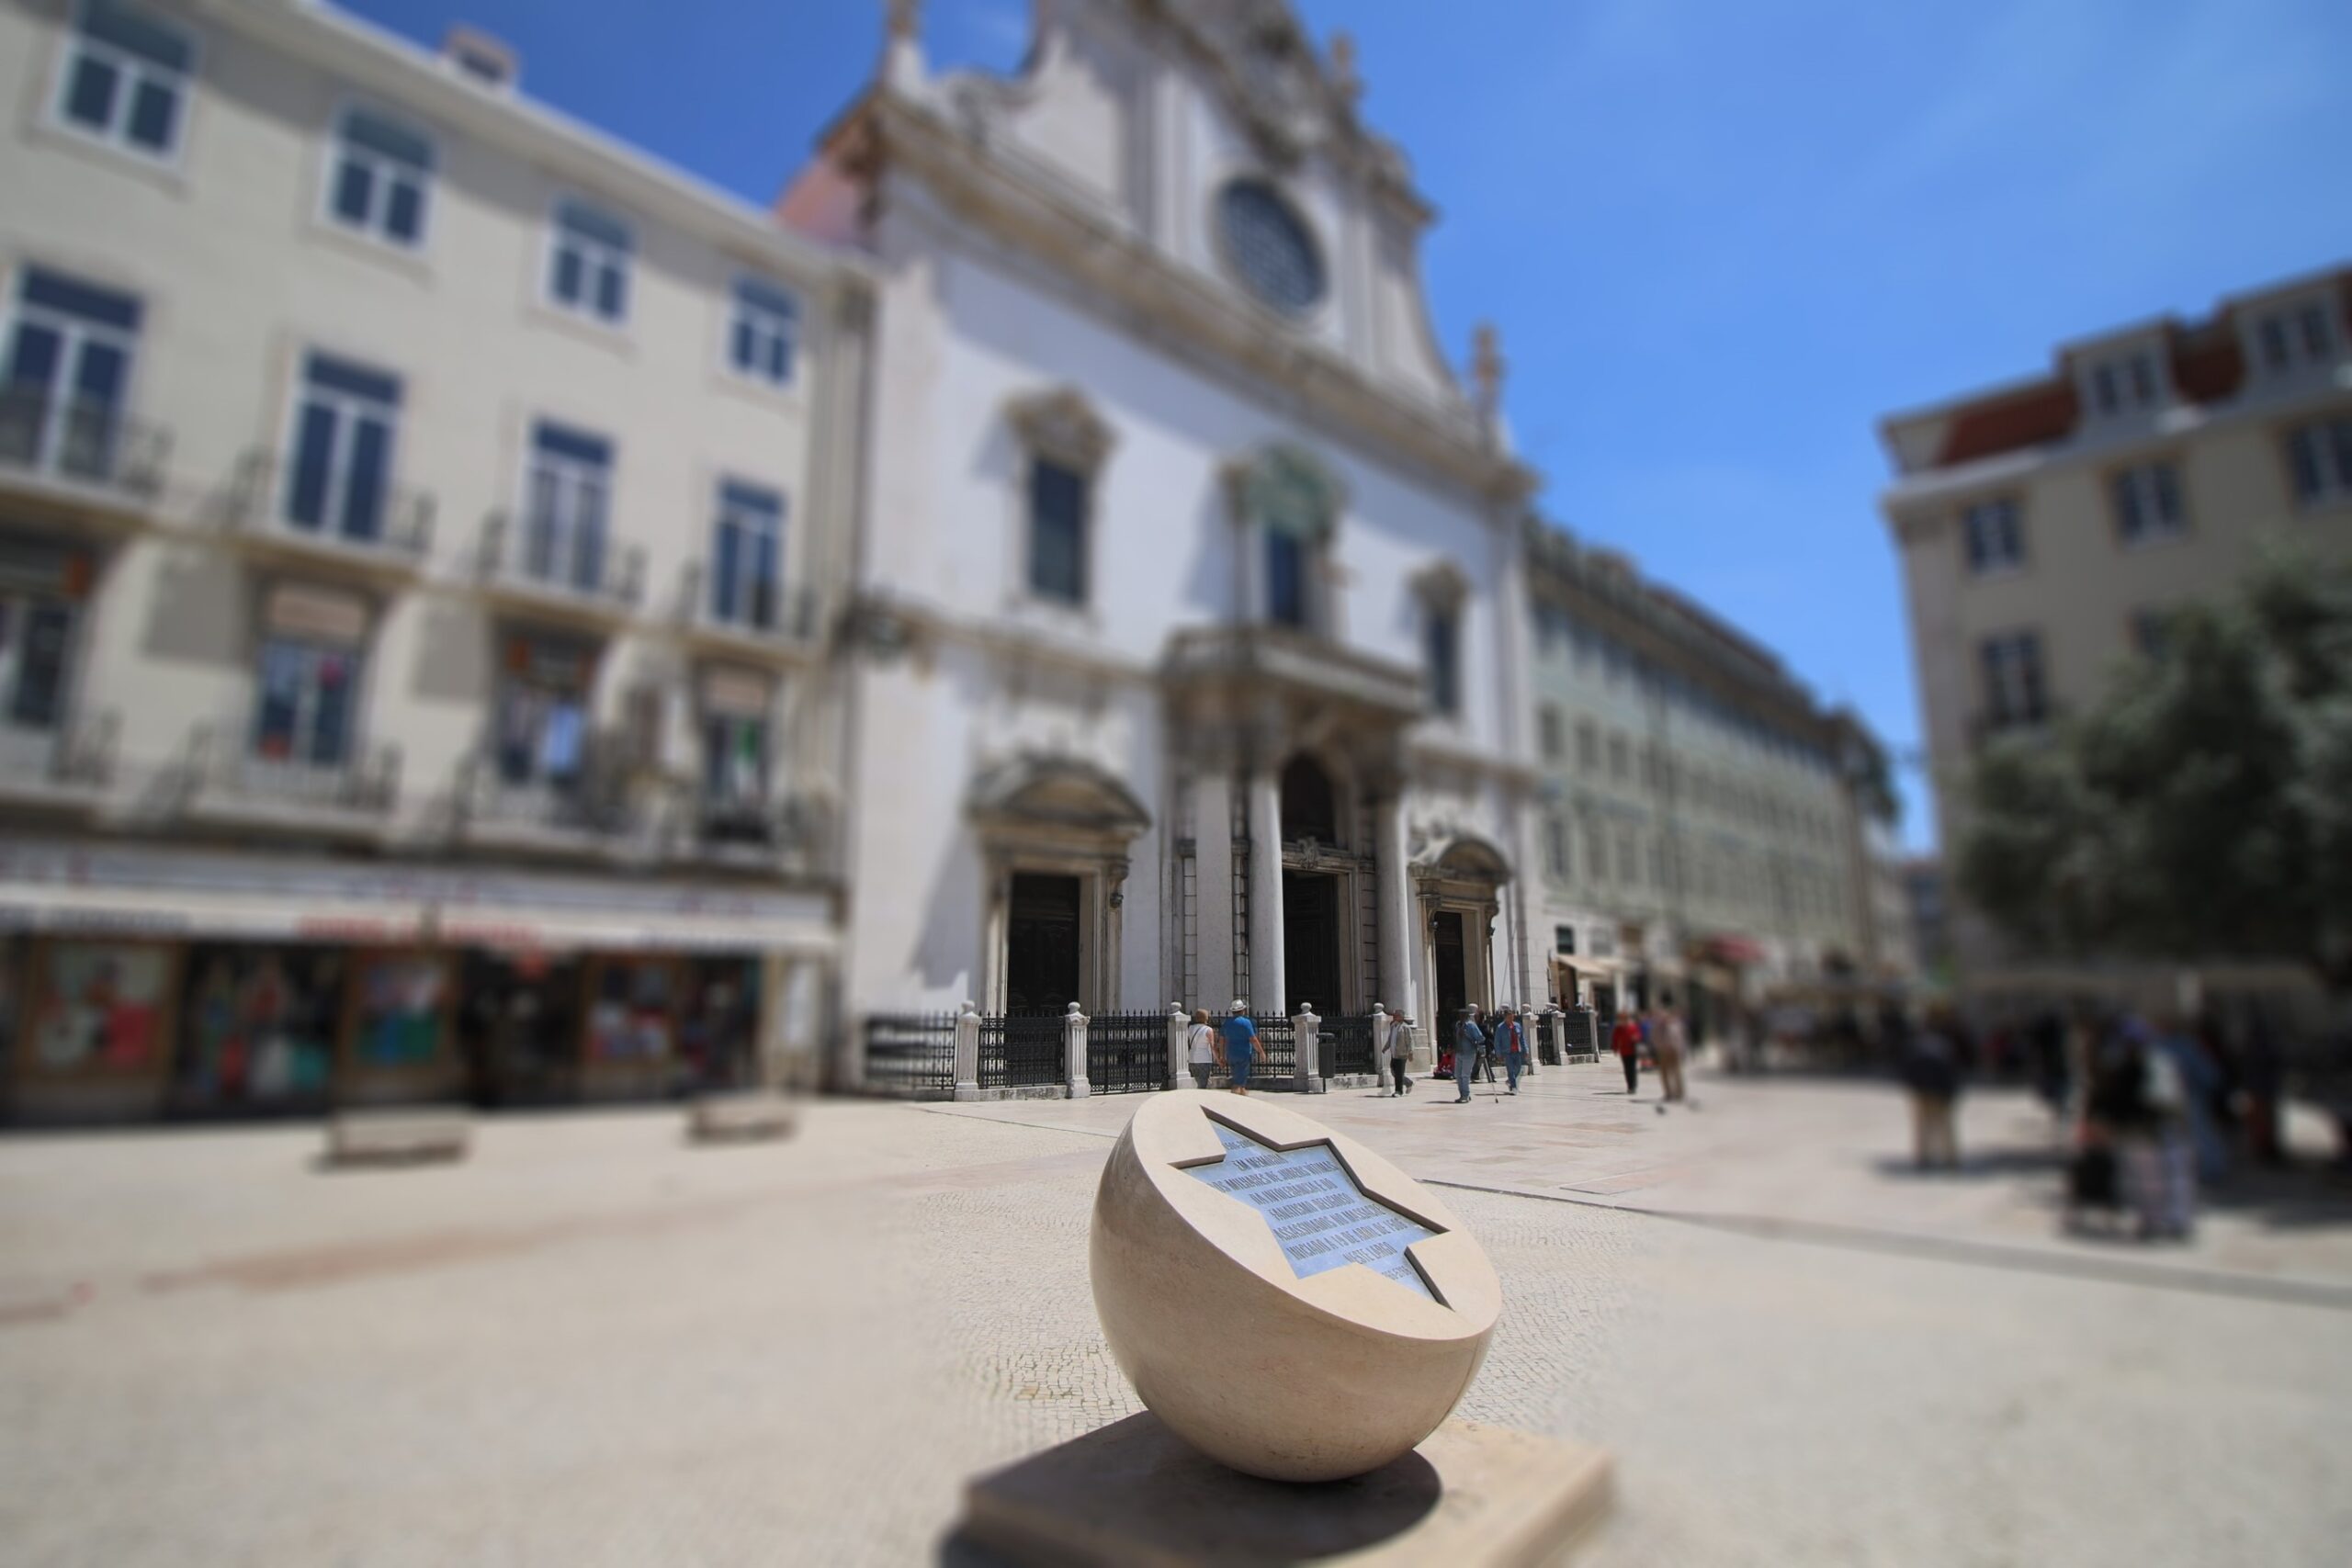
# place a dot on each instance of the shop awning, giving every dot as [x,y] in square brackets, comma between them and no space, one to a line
[192,914]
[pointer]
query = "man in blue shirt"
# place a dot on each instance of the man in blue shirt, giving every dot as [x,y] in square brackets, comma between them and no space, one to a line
[1469,1043]
[1240,1048]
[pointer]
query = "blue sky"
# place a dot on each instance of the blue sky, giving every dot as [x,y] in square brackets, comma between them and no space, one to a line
[1720,239]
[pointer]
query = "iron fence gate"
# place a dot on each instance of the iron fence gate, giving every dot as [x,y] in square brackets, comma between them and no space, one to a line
[910,1054]
[1023,1051]
[1347,1047]
[1126,1052]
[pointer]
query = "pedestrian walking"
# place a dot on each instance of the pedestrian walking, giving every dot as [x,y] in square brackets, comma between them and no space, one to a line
[1400,1049]
[1469,1043]
[1931,1072]
[1238,1051]
[1510,1042]
[1625,1039]
[1200,1047]
[1670,1048]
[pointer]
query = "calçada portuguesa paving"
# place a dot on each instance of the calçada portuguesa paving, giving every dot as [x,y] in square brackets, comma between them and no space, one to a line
[595,1343]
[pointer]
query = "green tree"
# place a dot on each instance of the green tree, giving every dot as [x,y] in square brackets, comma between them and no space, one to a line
[2203,808]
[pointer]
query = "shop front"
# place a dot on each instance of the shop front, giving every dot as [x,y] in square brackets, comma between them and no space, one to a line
[136,986]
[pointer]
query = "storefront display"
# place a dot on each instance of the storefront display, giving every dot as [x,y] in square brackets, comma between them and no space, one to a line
[630,1019]
[99,1008]
[400,1017]
[257,1027]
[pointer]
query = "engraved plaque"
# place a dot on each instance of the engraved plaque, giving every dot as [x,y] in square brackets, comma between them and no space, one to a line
[1321,1218]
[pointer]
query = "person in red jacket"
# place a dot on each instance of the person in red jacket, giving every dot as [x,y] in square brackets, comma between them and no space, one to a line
[1625,1039]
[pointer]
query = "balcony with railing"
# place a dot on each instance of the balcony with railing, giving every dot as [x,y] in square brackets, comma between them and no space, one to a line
[746,614]
[348,791]
[90,454]
[67,764]
[302,509]
[586,807]
[566,570]
[755,836]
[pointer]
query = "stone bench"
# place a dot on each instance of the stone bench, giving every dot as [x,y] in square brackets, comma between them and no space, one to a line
[741,1118]
[417,1137]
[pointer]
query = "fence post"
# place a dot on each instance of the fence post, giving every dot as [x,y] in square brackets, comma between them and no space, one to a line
[1305,1061]
[1074,1044]
[1180,1071]
[967,1052]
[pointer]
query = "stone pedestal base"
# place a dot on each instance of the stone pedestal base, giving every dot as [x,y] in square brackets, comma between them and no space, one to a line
[417,1137]
[1135,1494]
[741,1118]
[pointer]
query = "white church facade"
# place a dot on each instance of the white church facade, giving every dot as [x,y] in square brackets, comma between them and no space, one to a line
[1187,661]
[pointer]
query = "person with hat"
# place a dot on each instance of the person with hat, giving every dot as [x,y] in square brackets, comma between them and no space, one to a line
[1239,1047]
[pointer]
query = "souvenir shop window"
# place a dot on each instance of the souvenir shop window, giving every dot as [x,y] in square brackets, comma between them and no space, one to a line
[630,1020]
[400,1008]
[543,713]
[258,1024]
[99,1008]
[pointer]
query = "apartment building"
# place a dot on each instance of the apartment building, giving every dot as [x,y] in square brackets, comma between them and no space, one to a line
[2046,526]
[421,519]
[1705,838]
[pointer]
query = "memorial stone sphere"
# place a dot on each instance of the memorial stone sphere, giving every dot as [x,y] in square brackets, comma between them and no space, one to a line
[1286,1300]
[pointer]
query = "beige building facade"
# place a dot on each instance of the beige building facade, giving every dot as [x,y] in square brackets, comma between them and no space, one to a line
[1705,838]
[421,521]
[2046,525]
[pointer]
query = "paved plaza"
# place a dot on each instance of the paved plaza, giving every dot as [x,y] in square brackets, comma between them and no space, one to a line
[595,1343]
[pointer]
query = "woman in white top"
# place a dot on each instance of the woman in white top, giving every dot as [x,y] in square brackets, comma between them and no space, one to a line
[1200,1041]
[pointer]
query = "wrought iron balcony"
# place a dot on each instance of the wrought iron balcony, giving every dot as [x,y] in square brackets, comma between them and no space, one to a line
[80,444]
[582,571]
[385,525]
[70,760]
[751,611]
[591,807]
[770,836]
[227,776]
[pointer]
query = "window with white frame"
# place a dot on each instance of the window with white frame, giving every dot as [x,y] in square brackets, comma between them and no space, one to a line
[735,761]
[2124,383]
[126,78]
[70,347]
[1596,858]
[1992,534]
[1587,745]
[2147,498]
[345,420]
[588,262]
[764,332]
[570,501]
[308,697]
[747,556]
[1629,865]
[383,178]
[37,625]
[1555,846]
[1550,730]
[2319,458]
[2290,338]
[2010,667]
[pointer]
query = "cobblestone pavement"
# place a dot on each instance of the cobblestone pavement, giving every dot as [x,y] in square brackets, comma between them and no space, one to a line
[595,1344]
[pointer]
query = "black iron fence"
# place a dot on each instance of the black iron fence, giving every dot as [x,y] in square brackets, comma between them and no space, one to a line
[1023,1051]
[910,1054]
[1126,1052]
[1347,1046]
[1277,1050]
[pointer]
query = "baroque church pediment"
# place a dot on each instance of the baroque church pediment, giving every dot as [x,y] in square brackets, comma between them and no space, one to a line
[1044,793]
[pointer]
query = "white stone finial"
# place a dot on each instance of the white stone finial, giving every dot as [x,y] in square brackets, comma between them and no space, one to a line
[1487,369]
[1344,76]
[903,61]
